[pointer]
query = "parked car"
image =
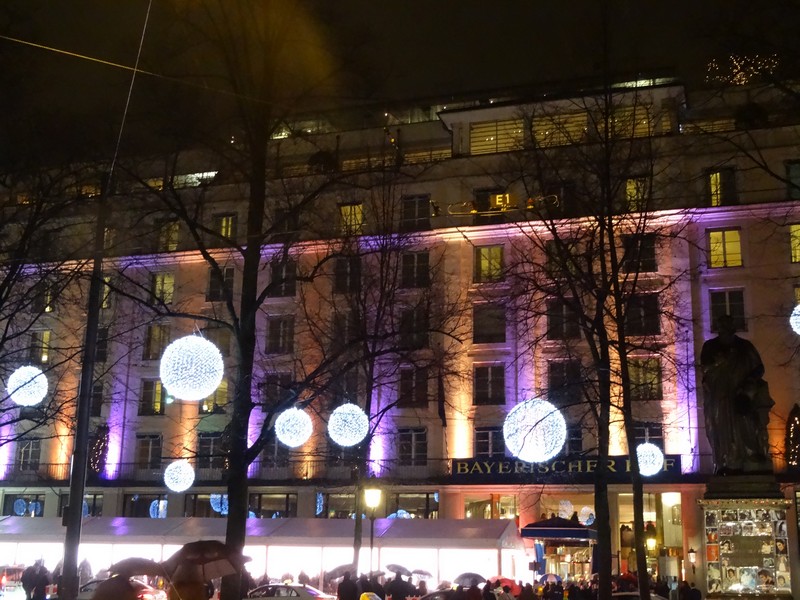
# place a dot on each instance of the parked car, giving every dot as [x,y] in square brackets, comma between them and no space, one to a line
[10,585]
[283,590]
[143,591]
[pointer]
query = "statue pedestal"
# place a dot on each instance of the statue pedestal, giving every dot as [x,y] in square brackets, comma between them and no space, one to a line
[746,541]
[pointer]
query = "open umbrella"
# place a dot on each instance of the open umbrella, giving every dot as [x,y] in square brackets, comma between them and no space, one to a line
[398,569]
[339,571]
[130,567]
[422,573]
[507,581]
[465,579]
[550,578]
[204,560]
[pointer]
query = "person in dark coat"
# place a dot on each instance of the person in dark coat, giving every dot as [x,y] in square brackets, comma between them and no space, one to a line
[28,581]
[473,592]
[377,588]
[41,582]
[364,585]
[347,590]
[459,594]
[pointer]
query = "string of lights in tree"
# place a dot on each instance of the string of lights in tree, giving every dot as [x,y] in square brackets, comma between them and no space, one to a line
[27,386]
[293,427]
[651,459]
[534,430]
[98,450]
[179,475]
[793,437]
[191,368]
[348,425]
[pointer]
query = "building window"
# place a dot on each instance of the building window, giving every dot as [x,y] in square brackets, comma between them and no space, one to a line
[340,456]
[639,253]
[793,179]
[794,242]
[220,284]
[643,316]
[573,445]
[43,300]
[414,328]
[724,248]
[347,275]
[23,505]
[28,454]
[415,270]
[216,402]
[168,236]
[153,397]
[562,322]
[101,345]
[636,193]
[210,451]
[225,226]
[39,351]
[275,454]
[105,301]
[284,278]
[277,388]
[649,432]
[645,377]
[345,387]
[345,328]
[489,385]
[488,264]
[416,506]
[721,187]
[286,222]
[155,341]
[273,506]
[489,442]
[163,287]
[280,335]
[488,324]
[351,218]
[728,302]
[220,336]
[145,506]
[92,505]
[413,388]
[96,401]
[412,443]
[416,213]
[564,382]
[148,451]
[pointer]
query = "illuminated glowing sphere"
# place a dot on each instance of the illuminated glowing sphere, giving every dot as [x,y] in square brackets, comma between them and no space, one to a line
[179,475]
[158,509]
[534,430]
[191,368]
[293,427]
[27,386]
[219,503]
[348,425]
[794,319]
[565,509]
[586,516]
[651,459]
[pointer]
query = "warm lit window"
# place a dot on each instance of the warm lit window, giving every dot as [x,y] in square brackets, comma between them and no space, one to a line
[39,351]
[220,284]
[489,384]
[163,287]
[645,377]
[562,322]
[43,300]
[347,274]
[559,129]
[496,136]
[794,242]
[412,445]
[489,442]
[153,398]
[148,451]
[280,335]
[413,388]
[105,301]
[168,236]
[155,341]
[643,315]
[415,270]
[724,248]
[636,193]
[352,219]
[721,187]
[283,281]
[488,263]
[225,226]
[217,401]
[728,302]
[488,324]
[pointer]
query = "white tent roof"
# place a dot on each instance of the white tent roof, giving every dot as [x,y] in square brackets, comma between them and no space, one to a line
[389,533]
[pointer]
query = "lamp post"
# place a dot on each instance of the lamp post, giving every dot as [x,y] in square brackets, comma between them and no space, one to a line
[372,498]
[692,558]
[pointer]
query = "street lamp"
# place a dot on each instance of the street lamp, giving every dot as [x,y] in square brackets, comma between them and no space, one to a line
[692,558]
[372,498]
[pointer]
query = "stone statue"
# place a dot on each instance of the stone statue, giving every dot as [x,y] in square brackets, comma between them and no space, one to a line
[737,402]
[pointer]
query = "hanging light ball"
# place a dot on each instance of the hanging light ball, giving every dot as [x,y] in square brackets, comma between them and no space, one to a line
[179,475]
[586,516]
[27,386]
[651,459]
[534,430]
[348,425]
[191,368]
[794,319]
[565,509]
[293,427]
[219,503]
